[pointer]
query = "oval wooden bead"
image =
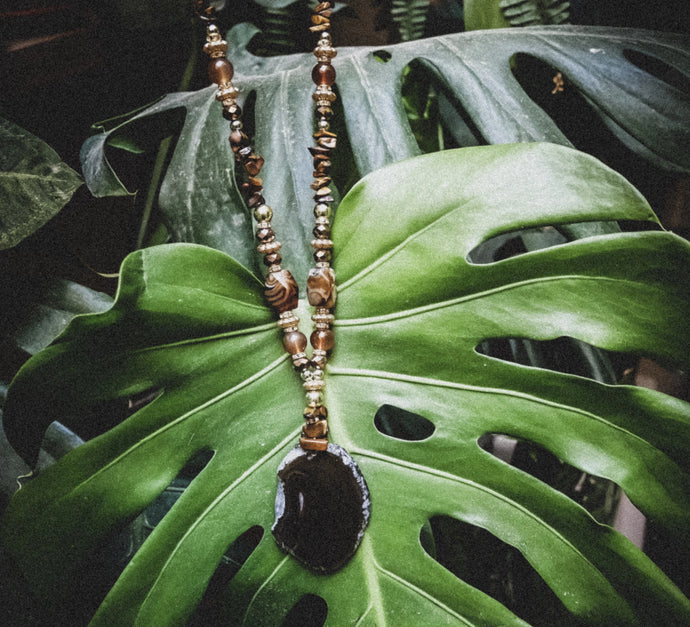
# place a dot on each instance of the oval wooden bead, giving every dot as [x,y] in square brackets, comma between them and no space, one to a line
[323,74]
[220,71]
[295,342]
[281,291]
[321,287]
[322,340]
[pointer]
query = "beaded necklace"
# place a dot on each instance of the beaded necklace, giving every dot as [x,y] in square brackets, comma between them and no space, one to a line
[322,504]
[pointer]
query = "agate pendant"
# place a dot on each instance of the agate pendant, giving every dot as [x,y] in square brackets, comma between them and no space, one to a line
[322,507]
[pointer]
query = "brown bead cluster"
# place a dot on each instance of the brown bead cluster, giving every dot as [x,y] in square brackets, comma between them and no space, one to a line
[281,289]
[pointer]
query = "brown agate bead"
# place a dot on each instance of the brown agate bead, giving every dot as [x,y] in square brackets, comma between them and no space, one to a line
[295,342]
[321,287]
[220,71]
[281,291]
[322,340]
[323,74]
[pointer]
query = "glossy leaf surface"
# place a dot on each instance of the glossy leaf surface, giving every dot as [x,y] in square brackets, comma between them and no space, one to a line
[190,322]
[649,115]
[34,183]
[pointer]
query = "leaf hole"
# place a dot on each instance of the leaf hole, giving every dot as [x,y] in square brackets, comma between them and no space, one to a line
[564,354]
[402,424]
[498,569]
[514,243]
[599,496]
[382,56]
[437,118]
[155,512]
[659,69]
[212,609]
[310,611]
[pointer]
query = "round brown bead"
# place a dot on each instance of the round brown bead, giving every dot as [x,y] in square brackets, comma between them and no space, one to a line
[220,71]
[238,139]
[295,342]
[322,340]
[323,74]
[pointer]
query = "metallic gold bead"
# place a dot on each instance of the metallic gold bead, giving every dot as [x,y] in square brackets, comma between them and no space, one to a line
[263,213]
[236,125]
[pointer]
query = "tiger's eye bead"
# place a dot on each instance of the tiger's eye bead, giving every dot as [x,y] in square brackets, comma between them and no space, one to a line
[220,70]
[295,342]
[281,291]
[321,287]
[322,340]
[323,74]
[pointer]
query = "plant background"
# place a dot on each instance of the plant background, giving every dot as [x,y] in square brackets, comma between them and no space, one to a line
[87,64]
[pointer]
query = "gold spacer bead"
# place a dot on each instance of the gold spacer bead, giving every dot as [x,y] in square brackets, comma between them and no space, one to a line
[227,91]
[269,247]
[288,321]
[314,384]
[322,244]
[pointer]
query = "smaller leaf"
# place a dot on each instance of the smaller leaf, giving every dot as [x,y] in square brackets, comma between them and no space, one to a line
[34,184]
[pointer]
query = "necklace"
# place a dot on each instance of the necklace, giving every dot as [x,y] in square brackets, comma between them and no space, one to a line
[322,503]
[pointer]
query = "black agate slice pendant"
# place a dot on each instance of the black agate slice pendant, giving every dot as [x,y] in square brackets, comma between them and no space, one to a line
[322,507]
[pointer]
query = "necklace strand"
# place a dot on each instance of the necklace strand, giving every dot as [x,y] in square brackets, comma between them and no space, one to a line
[280,287]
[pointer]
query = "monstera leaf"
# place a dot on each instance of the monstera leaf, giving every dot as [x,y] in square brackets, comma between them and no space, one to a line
[650,115]
[189,329]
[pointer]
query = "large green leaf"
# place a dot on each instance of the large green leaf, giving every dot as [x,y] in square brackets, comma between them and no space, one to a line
[34,183]
[189,322]
[649,114]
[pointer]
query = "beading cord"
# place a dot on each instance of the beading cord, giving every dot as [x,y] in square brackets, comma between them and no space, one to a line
[281,289]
